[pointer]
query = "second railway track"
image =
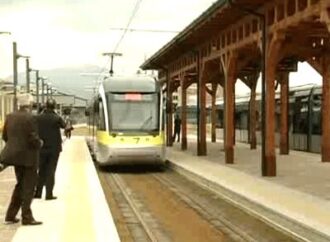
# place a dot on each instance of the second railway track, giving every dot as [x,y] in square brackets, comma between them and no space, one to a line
[164,206]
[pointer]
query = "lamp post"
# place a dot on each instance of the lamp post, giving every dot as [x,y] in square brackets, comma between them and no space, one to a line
[37,87]
[112,55]
[16,56]
[43,89]
[27,75]
[2,111]
[48,89]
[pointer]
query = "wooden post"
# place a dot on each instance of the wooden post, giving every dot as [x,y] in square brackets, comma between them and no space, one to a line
[234,111]
[273,52]
[183,115]
[270,159]
[325,144]
[229,66]
[202,115]
[284,139]
[169,110]
[214,111]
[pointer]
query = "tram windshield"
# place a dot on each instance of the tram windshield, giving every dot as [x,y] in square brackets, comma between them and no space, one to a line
[134,112]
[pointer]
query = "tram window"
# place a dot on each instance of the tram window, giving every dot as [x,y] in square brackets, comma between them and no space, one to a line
[101,123]
[316,123]
[300,117]
[277,122]
[317,115]
[241,120]
[219,119]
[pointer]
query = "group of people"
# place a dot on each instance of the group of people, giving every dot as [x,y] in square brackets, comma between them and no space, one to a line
[33,145]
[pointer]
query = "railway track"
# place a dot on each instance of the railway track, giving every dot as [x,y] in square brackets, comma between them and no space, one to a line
[164,206]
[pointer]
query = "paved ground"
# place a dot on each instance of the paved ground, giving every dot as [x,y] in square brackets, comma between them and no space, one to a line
[7,182]
[299,170]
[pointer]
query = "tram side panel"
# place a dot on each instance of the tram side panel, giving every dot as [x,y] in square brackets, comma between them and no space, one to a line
[304,120]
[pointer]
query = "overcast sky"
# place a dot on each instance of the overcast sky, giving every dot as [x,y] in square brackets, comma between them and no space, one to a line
[59,33]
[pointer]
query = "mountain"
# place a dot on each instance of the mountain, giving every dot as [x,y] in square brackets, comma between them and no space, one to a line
[71,80]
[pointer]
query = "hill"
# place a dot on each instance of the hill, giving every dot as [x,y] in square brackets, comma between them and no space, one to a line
[71,80]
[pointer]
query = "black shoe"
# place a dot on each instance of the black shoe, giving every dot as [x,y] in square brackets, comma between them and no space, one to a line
[11,221]
[2,167]
[37,196]
[31,222]
[51,198]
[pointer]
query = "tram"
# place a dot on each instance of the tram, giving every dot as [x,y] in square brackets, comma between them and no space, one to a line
[127,121]
[304,118]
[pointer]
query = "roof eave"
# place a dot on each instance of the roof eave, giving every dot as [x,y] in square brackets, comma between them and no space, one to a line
[149,63]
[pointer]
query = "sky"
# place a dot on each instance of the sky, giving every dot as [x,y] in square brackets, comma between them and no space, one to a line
[61,33]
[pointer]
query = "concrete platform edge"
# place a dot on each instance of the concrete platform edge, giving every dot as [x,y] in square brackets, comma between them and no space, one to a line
[102,209]
[278,220]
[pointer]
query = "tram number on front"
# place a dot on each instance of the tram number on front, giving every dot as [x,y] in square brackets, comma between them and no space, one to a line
[137,139]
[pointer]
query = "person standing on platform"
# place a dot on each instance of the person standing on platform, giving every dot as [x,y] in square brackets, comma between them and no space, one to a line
[21,150]
[49,123]
[177,127]
[68,127]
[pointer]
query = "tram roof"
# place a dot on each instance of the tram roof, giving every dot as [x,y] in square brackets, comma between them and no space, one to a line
[131,84]
[216,18]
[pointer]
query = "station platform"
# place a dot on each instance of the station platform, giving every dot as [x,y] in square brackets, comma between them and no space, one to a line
[80,213]
[298,195]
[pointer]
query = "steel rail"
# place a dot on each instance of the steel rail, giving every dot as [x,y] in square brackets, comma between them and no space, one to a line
[225,222]
[120,183]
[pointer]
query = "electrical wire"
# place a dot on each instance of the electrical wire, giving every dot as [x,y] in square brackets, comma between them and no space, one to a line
[136,8]
[148,30]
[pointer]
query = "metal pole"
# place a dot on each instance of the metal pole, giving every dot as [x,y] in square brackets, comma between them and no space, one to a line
[111,54]
[15,74]
[37,90]
[42,90]
[27,75]
[111,66]
[47,91]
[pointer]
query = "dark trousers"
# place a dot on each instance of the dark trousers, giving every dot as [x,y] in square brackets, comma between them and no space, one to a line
[176,133]
[46,175]
[23,193]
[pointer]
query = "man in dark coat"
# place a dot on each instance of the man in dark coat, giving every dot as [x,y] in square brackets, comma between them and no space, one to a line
[49,124]
[22,151]
[177,127]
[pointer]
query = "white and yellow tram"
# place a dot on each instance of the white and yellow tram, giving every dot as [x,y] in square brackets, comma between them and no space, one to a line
[127,121]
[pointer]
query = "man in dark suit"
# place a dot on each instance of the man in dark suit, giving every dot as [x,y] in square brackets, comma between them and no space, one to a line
[22,151]
[177,127]
[49,124]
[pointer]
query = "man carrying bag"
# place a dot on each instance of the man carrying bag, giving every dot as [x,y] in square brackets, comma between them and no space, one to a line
[21,151]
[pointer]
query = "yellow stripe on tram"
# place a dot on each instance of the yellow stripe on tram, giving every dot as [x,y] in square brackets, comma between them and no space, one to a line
[103,137]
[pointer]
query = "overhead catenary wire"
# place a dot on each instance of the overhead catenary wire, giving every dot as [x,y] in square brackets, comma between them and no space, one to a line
[136,8]
[147,30]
